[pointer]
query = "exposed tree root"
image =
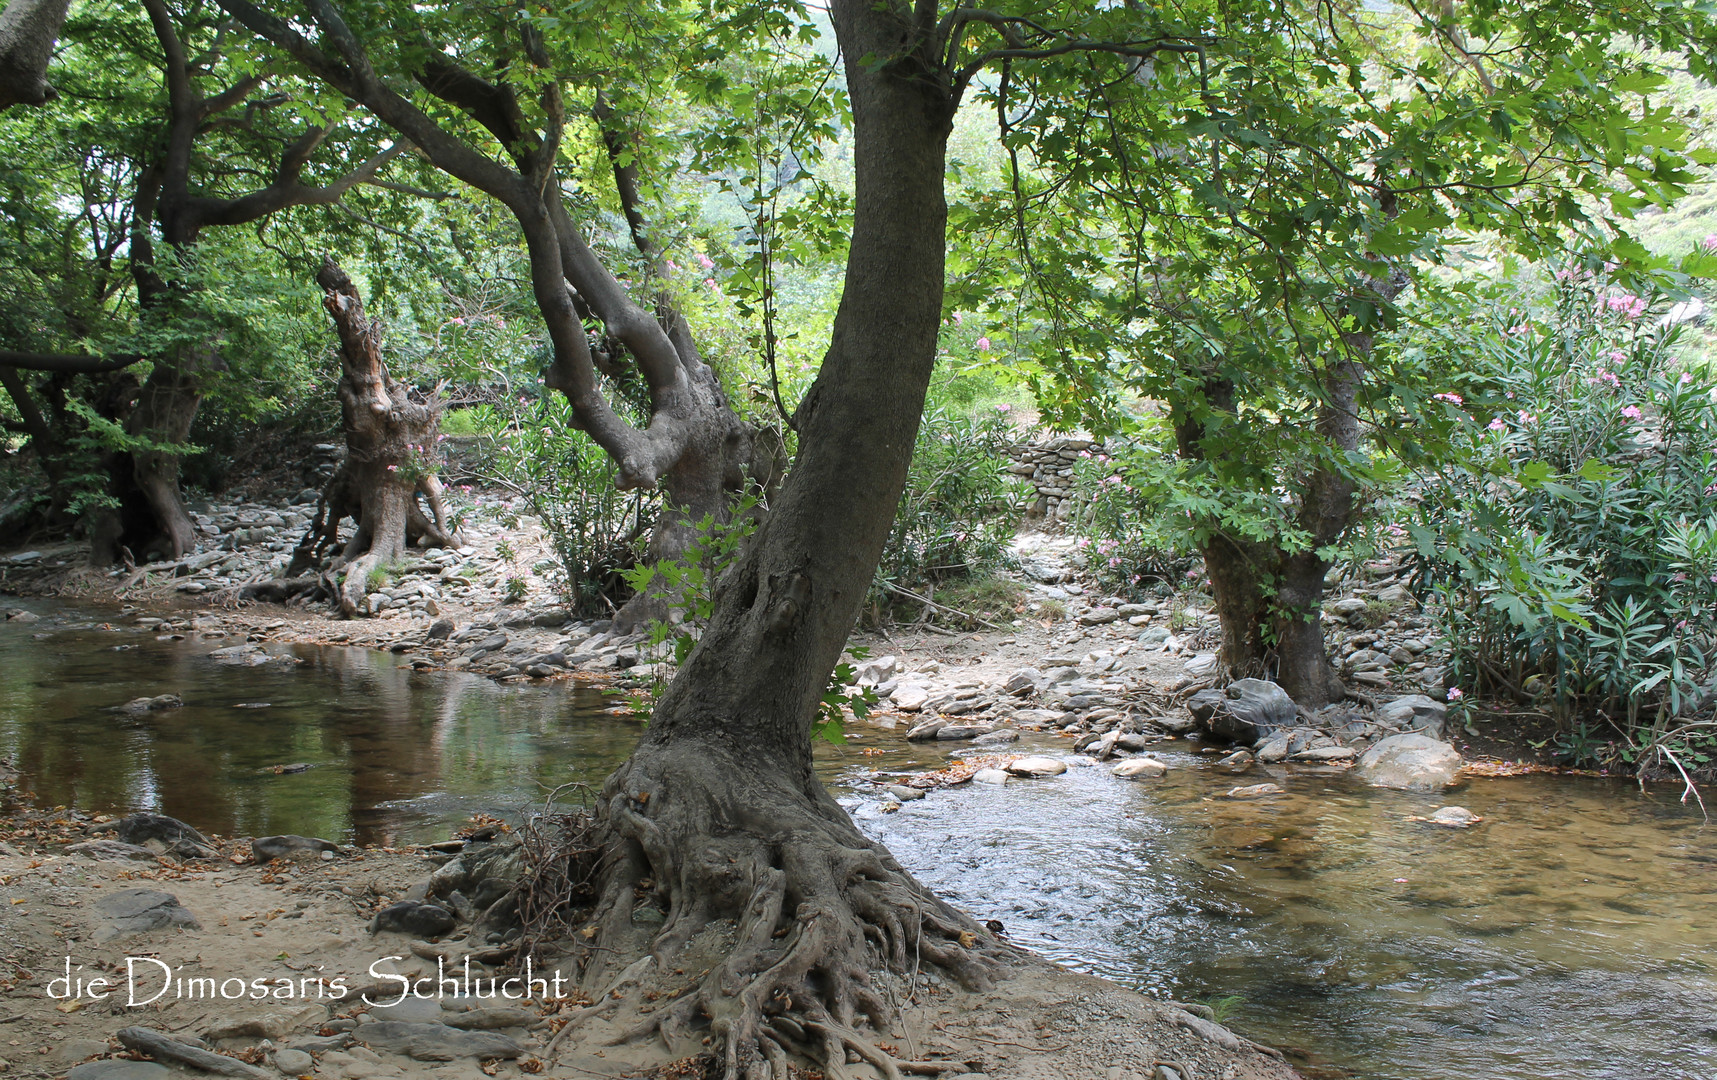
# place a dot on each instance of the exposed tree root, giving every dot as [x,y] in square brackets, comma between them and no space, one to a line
[764,884]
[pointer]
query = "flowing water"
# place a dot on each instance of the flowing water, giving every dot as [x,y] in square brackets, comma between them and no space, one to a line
[1572,934]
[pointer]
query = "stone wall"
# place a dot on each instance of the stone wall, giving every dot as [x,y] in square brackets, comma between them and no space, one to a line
[1048,467]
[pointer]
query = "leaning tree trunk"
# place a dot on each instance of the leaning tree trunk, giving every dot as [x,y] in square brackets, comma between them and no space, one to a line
[390,450]
[718,818]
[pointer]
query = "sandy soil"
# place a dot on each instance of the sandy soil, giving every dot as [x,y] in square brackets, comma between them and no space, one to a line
[299,930]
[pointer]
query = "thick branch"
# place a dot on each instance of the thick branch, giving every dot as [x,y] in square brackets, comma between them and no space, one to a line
[72,362]
[287,191]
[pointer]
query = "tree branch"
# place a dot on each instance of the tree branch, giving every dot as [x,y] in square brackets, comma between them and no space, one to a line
[67,362]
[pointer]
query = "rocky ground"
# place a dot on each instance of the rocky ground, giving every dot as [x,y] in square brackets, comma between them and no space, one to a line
[127,944]
[1113,678]
[1067,660]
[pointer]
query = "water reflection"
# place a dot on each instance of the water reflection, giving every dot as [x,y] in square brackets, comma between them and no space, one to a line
[1573,934]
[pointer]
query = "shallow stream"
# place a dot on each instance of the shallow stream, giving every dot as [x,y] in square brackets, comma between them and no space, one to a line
[1572,934]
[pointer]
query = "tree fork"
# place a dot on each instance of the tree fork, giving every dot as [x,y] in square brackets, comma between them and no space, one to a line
[390,438]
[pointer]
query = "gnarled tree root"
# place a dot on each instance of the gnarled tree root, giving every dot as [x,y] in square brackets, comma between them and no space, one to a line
[804,906]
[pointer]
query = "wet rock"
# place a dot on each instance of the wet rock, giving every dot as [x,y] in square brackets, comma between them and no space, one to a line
[1415,713]
[436,1042]
[137,911]
[293,1062]
[989,776]
[903,792]
[993,738]
[1327,754]
[1140,768]
[162,834]
[439,630]
[269,848]
[1022,682]
[113,851]
[1453,817]
[405,917]
[153,704]
[1175,724]
[1132,740]
[25,617]
[1274,748]
[1248,710]
[925,730]
[1036,766]
[1253,791]
[1411,763]
[956,732]
[1239,761]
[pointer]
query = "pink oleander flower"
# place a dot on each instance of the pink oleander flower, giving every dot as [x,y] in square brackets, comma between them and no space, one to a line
[1116,561]
[958,318]
[983,344]
[393,468]
[1710,242]
[1190,574]
[1452,399]
[1003,407]
[673,267]
[1631,412]
[457,321]
[705,261]
[1527,418]
[1496,424]
[1686,377]
[1455,693]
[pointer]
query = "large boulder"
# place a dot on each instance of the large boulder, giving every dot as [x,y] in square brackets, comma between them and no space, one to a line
[161,834]
[1411,763]
[1415,713]
[1249,710]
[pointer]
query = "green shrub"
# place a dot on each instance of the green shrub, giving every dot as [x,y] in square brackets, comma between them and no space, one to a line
[567,481]
[960,508]
[1130,539]
[1572,545]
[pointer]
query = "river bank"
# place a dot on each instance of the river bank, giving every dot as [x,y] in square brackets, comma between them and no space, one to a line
[118,953]
[1559,935]
[1054,653]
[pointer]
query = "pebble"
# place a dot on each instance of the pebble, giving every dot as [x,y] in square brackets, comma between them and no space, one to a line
[293,1062]
[989,776]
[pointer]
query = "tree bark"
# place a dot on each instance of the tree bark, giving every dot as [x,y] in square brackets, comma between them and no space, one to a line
[390,451]
[28,29]
[717,816]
